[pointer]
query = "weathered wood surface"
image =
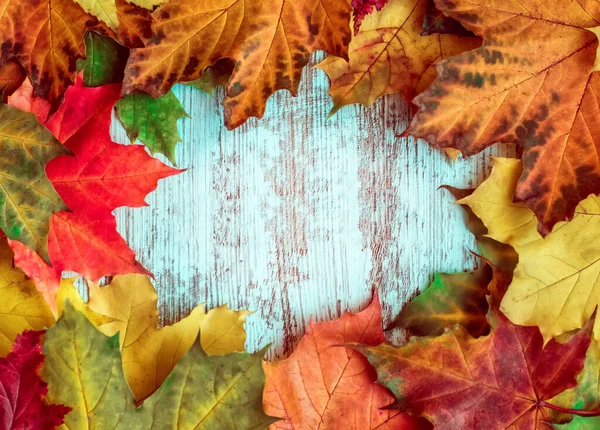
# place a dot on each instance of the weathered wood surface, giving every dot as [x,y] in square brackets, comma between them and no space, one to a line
[297,215]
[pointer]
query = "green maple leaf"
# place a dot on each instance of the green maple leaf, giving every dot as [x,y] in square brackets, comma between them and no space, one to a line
[105,60]
[27,197]
[153,121]
[83,369]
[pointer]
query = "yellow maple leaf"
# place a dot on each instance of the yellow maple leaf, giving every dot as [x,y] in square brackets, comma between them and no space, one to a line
[388,55]
[22,306]
[104,10]
[150,352]
[556,284]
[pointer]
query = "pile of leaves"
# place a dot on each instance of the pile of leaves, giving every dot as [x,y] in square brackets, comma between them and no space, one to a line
[513,344]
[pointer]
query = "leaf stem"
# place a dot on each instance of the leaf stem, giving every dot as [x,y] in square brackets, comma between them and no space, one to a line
[592,413]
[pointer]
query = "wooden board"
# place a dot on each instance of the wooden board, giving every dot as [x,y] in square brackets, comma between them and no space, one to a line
[297,216]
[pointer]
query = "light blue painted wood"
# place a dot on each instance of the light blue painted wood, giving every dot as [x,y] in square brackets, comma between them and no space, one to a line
[295,216]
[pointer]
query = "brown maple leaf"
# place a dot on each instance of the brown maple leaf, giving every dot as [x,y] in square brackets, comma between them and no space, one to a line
[270,41]
[533,82]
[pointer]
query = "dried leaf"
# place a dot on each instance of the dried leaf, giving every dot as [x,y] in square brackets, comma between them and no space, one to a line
[388,56]
[533,82]
[270,43]
[324,385]
[12,76]
[46,37]
[214,76]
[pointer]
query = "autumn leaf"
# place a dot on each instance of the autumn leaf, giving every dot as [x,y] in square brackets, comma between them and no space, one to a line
[150,353]
[585,396]
[435,21]
[83,369]
[270,43]
[22,307]
[104,10]
[27,198]
[101,176]
[388,56]
[48,50]
[22,401]
[499,381]
[532,82]
[148,4]
[555,284]
[135,24]
[23,99]
[456,298]
[105,60]
[214,76]
[324,385]
[362,8]
[153,121]
[12,76]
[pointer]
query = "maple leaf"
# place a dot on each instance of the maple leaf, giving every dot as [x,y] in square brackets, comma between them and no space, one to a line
[12,76]
[83,369]
[150,353]
[270,43]
[105,60]
[214,76]
[457,298]
[585,396]
[101,176]
[22,402]
[389,56]
[23,99]
[27,198]
[435,21]
[22,307]
[153,121]
[555,283]
[48,52]
[362,8]
[135,24]
[324,385]
[532,82]
[104,10]
[499,381]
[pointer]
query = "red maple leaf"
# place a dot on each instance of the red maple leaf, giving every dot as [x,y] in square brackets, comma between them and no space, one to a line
[99,177]
[22,401]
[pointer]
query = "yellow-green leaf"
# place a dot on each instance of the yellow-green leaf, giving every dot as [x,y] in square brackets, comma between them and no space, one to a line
[149,353]
[27,198]
[104,10]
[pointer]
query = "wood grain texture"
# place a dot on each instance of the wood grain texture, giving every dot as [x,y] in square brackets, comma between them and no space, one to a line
[297,216]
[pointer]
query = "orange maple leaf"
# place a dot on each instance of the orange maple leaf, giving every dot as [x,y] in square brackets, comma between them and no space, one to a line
[325,385]
[270,41]
[389,55]
[533,82]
